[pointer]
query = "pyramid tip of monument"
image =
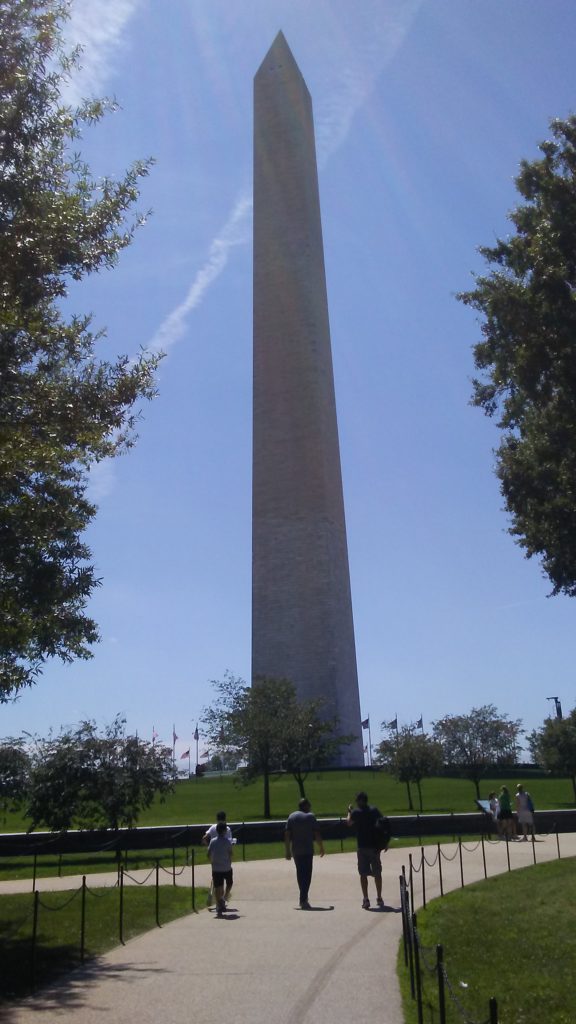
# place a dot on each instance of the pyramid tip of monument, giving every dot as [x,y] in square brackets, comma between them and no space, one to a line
[279,50]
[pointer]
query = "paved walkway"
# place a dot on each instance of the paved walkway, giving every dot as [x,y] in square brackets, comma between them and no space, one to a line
[268,960]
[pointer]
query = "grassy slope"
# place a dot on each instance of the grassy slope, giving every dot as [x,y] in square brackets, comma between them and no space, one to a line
[330,792]
[512,937]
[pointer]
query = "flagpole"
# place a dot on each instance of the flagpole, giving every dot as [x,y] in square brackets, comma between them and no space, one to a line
[369,744]
[189,765]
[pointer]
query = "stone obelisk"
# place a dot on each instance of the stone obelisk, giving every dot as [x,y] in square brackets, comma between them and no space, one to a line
[302,625]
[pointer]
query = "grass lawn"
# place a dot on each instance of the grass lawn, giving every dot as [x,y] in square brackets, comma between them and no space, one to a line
[512,937]
[197,800]
[59,919]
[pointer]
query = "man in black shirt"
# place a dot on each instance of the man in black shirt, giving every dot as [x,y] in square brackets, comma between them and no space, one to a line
[363,818]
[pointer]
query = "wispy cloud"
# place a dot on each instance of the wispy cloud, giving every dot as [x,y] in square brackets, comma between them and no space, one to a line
[350,81]
[235,232]
[99,28]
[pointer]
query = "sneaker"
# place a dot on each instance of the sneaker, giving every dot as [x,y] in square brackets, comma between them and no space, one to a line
[380,901]
[219,913]
[366,904]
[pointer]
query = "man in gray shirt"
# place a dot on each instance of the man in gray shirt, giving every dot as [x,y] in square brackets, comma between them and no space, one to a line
[301,832]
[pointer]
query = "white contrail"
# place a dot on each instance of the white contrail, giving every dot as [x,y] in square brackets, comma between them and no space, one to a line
[348,88]
[234,232]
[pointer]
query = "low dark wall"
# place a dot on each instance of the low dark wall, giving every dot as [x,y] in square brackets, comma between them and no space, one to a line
[164,837]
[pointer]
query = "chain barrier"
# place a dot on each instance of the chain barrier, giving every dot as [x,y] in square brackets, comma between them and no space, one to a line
[444,984]
[136,880]
[173,871]
[446,857]
[471,849]
[431,863]
[61,906]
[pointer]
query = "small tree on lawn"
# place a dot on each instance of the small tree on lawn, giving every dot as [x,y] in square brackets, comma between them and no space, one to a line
[554,746]
[268,730]
[410,757]
[479,740]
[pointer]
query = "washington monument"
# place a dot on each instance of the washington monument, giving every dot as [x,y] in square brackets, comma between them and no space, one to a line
[302,626]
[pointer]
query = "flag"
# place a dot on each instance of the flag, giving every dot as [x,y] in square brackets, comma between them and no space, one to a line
[205,754]
[185,754]
[196,734]
[154,734]
[174,736]
[366,723]
[419,723]
[391,725]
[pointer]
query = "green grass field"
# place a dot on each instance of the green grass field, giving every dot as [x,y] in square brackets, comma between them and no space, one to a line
[512,937]
[59,929]
[197,800]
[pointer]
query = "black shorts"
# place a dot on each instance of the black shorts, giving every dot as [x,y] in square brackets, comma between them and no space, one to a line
[219,877]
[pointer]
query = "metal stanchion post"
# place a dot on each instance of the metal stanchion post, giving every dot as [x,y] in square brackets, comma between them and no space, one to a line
[440,870]
[417,971]
[484,858]
[158,893]
[83,920]
[440,973]
[121,904]
[422,867]
[493,1011]
[34,940]
[193,880]
[461,865]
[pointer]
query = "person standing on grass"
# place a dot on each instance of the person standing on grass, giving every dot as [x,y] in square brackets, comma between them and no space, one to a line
[299,836]
[220,856]
[524,810]
[363,819]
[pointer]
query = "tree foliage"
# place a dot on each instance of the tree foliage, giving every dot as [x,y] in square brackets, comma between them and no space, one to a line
[479,740]
[410,757]
[84,778]
[61,408]
[269,730]
[528,357]
[14,775]
[554,746]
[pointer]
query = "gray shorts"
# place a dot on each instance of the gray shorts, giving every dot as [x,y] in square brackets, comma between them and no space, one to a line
[369,862]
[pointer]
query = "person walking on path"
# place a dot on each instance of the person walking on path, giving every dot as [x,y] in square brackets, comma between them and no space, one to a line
[220,857]
[524,810]
[210,834]
[299,836]
[363,819]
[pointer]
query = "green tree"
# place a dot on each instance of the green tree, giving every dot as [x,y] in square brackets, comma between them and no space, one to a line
[61,408]
[268,730]
[478,741]
[528,357]
[410,757]
[554,746]
[14,772]
[89,779]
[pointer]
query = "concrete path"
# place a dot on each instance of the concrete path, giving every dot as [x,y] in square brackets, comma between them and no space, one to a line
[267,959]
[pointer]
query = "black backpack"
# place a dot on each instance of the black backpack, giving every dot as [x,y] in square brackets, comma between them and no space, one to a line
[382,832]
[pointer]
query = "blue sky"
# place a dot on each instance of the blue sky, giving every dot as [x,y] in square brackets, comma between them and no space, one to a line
[423,110]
